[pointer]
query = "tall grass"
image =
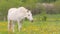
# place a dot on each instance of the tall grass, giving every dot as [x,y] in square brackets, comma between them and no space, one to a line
[50,26]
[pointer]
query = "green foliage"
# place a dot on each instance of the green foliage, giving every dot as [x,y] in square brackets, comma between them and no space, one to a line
[29,3]
[46,1]
[57,6]
[5,5]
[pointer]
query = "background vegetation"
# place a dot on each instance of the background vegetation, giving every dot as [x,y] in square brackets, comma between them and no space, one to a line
[36,6]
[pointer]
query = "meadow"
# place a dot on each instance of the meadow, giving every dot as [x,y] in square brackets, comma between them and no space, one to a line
[39,26]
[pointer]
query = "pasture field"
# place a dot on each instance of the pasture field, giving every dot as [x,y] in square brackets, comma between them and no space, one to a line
[50,26]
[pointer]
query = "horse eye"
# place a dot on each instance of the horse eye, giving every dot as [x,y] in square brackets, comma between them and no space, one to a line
[28,15]
[27,11]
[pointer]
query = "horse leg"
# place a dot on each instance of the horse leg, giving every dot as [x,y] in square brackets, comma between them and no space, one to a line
[19,25]
[9,25]
[13,26]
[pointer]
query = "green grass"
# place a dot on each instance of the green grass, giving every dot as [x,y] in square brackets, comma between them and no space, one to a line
[51,26]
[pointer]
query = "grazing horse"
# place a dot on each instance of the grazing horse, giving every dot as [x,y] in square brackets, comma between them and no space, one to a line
[18,14]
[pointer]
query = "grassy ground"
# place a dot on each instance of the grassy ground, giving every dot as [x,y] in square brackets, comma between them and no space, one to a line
[50,26]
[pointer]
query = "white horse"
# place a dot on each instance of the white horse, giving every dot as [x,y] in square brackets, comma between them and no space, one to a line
[18,14]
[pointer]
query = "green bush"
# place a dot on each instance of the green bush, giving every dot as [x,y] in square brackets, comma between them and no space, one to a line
[57,7]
